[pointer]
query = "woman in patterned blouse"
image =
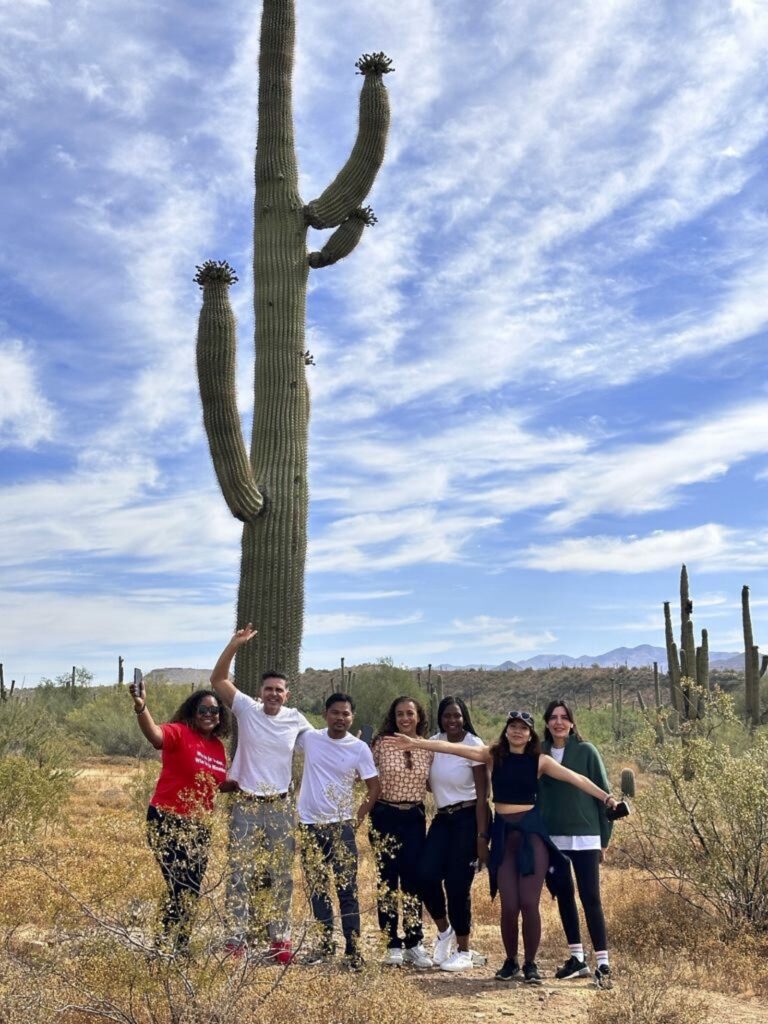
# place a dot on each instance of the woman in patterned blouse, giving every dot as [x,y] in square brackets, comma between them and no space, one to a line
[398,829]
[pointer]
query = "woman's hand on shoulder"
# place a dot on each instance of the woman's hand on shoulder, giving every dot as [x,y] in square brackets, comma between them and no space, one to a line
[399,741]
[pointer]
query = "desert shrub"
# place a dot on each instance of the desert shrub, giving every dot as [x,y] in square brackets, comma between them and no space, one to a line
[649,994]
[30,796]
[702,829]
[375,687]
[107,722]
[28,730]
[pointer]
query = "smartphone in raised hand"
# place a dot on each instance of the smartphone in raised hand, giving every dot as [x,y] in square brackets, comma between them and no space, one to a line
[137,686]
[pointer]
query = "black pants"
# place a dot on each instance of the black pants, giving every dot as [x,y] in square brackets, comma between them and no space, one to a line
[397,837]
[586,867]
[180,846]
[333,847]
[449,850]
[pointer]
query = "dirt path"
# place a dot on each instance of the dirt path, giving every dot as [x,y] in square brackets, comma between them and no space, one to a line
[481,998]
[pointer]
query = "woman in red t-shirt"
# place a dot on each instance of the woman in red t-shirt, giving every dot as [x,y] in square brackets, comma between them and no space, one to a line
[194,766]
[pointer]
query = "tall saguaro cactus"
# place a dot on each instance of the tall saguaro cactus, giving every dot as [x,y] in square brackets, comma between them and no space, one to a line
[267,488]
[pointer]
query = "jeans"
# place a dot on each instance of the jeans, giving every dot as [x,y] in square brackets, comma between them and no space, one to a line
[326,848]
[180,846]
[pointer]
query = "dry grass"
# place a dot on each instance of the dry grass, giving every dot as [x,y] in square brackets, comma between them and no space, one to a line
[650,994]
[96,873]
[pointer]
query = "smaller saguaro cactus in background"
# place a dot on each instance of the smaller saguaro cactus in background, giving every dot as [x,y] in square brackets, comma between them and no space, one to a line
[5,694]
[754,668]
[688,665]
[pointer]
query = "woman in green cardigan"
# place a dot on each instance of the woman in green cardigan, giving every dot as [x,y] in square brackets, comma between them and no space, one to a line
[580,829]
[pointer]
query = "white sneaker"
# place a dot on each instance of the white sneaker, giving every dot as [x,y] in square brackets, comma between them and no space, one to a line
[460,961]
[444,947]
[416,956]
[394,957]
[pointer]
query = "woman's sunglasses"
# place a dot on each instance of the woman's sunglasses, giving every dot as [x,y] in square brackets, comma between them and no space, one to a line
[520,716]
[207,712]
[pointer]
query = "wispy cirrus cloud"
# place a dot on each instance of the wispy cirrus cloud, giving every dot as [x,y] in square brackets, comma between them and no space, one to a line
[709,548]
[27,417]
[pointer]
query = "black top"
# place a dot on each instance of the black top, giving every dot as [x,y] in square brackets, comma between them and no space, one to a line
[516,780]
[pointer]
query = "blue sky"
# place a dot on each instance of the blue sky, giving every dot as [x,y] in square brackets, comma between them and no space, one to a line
[540,379]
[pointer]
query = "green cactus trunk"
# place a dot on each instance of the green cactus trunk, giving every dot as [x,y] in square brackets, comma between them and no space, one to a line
[268,489]
[673,662]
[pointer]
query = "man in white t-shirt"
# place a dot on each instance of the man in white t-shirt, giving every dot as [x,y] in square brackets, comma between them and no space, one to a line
[332,761]
[261,826]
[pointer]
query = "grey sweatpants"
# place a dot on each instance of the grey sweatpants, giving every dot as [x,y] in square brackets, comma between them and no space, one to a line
[260,885]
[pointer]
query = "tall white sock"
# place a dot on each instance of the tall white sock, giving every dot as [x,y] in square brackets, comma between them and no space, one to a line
[601,955]
[577,950]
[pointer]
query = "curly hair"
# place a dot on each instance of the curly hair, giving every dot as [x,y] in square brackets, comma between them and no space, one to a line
[388,726]
[187,711]
[500,750]
[444,703]
[560,703]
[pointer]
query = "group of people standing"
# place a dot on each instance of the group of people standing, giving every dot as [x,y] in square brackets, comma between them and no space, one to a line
[550,802]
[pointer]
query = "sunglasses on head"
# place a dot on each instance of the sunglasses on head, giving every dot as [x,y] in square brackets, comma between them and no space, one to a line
[520,716]
[207,712]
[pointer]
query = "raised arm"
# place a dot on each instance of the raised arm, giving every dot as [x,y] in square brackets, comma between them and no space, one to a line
[549,766]
[480,754]
[147,724]
[225,689]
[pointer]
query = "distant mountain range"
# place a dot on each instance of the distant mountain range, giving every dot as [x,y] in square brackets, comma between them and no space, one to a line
[631,657]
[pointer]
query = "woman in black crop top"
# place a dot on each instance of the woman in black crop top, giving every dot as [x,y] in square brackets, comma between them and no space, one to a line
[521,851]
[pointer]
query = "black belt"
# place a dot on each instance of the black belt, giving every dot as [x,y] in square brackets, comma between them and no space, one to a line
[401,805]
[452,808]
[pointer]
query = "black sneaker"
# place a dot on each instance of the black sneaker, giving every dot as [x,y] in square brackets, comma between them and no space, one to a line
[603,977]
[531,974]
[572,968]
[354,962]
[508,970]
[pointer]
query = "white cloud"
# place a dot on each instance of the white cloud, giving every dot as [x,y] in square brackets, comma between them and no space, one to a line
[340,622]
[709,548]
[405,537]
[487,631]
[26,416]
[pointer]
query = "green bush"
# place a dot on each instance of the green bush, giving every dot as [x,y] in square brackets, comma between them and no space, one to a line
[31,795]
[107,722]
[702,829]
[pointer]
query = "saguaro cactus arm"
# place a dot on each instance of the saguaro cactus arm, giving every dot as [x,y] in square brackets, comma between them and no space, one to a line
[344,238]
[216,367]
[353,182]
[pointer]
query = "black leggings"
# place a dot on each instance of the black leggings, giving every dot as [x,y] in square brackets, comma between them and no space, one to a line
[586,867]
[520,894]
[397,838]
[449,851]
[180,846]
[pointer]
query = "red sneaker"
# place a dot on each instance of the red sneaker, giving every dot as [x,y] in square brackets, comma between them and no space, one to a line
[281,952]
[234,950]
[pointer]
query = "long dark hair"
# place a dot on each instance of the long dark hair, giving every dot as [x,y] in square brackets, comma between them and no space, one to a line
[468,727]
[388,726]
[559,703]
[500,750]
[187,711]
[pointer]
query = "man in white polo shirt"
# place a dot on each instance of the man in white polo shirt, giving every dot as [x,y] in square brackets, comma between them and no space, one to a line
[332,761]
[261,827]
